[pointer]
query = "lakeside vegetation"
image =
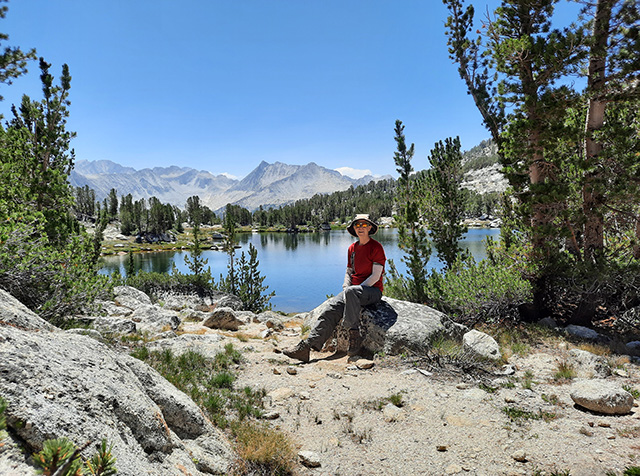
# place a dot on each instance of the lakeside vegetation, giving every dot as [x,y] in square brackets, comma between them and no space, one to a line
[570,241]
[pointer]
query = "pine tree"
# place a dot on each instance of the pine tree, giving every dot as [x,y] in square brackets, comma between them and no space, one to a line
[412,235]
[446,200]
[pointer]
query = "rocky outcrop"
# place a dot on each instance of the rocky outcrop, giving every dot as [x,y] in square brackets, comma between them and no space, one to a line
[392,326]
[14,313]
[60,384]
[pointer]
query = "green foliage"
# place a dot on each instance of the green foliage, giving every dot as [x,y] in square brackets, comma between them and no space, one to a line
[412,236]
[209,382]
[60,456]
[52,280]
[488,291]
[55,454]
[631,471]
[446,200]
[249,287]
[102,463]
[243,277]
[13,61]
[201,277]
[3,408]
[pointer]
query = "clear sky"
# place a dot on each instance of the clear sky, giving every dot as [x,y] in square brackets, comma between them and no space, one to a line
[221,85]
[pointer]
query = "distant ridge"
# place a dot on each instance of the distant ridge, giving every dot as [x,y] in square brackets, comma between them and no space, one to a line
[267,185]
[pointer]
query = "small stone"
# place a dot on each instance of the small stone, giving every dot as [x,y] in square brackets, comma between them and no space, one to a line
[520,456]
[392,413]
[442,448]
[280,394]
[305,396]
[590,423]
[276,371]
[453,469]
[271,415]
[463,386]
[292,371]
[266,333]
[352,367]
[364,364]
[604,424]
[611,437]
[510,399]
[621,373]
[334,375]
[309,459]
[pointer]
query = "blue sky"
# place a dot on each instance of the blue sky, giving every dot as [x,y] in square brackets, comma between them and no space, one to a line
[222,85]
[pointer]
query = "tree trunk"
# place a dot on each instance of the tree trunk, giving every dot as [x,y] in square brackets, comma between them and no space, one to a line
[591,194]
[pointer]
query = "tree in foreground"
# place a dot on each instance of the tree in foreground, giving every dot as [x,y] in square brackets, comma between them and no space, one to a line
[412,235]
[446,200]
[570,156]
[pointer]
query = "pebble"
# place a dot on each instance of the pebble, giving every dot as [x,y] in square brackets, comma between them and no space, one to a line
[271,415]
[463,386]
[520,456]
[604,424]
[621,373]
[276,372]
[309,459]
[305,396]
[281,393]
[292,371]
[510,399]
[334,375]
[453,469]
[442,447]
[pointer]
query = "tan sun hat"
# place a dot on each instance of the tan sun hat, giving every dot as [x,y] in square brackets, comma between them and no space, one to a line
[362,217]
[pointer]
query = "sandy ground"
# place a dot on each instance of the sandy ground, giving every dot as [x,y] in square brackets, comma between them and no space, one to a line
[449,421]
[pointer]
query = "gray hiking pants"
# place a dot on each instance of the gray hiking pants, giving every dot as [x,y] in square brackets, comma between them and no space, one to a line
[344,307]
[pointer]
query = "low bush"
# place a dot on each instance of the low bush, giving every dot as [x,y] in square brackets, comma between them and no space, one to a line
[54,281]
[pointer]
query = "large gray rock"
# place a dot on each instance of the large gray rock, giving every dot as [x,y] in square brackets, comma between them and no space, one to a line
[394,326]
[65,385]
[480,345]
[602,397]
[154,319]
[14,313]
[130,297]
[223,318]
[208,345]
[588,365]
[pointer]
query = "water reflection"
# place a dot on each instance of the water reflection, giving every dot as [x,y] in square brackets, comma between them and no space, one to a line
[301,268]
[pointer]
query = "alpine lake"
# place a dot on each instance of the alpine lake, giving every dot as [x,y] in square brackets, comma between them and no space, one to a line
[302,268]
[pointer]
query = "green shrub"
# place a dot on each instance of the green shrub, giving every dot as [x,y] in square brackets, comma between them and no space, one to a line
[53,280]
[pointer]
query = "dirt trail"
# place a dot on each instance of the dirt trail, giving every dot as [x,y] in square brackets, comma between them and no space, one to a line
[447,423]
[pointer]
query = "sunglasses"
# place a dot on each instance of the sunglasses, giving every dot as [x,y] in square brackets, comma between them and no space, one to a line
[361,225]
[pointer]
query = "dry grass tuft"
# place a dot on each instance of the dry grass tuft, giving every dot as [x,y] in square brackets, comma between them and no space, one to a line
[263,450]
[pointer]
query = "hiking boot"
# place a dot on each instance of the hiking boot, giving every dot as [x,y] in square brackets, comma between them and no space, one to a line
[355,342]
[298,352]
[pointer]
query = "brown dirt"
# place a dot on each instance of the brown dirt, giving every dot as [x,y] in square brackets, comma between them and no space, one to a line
[450,422]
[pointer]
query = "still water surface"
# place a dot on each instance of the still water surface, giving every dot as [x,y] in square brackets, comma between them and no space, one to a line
[302,268]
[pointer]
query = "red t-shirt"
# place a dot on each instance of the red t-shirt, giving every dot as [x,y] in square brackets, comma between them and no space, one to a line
[361,258]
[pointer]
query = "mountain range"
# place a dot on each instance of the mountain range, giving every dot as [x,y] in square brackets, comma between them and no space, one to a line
[269,185]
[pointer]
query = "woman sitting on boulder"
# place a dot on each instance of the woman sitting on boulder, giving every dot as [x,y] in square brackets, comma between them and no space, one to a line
[362,286]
